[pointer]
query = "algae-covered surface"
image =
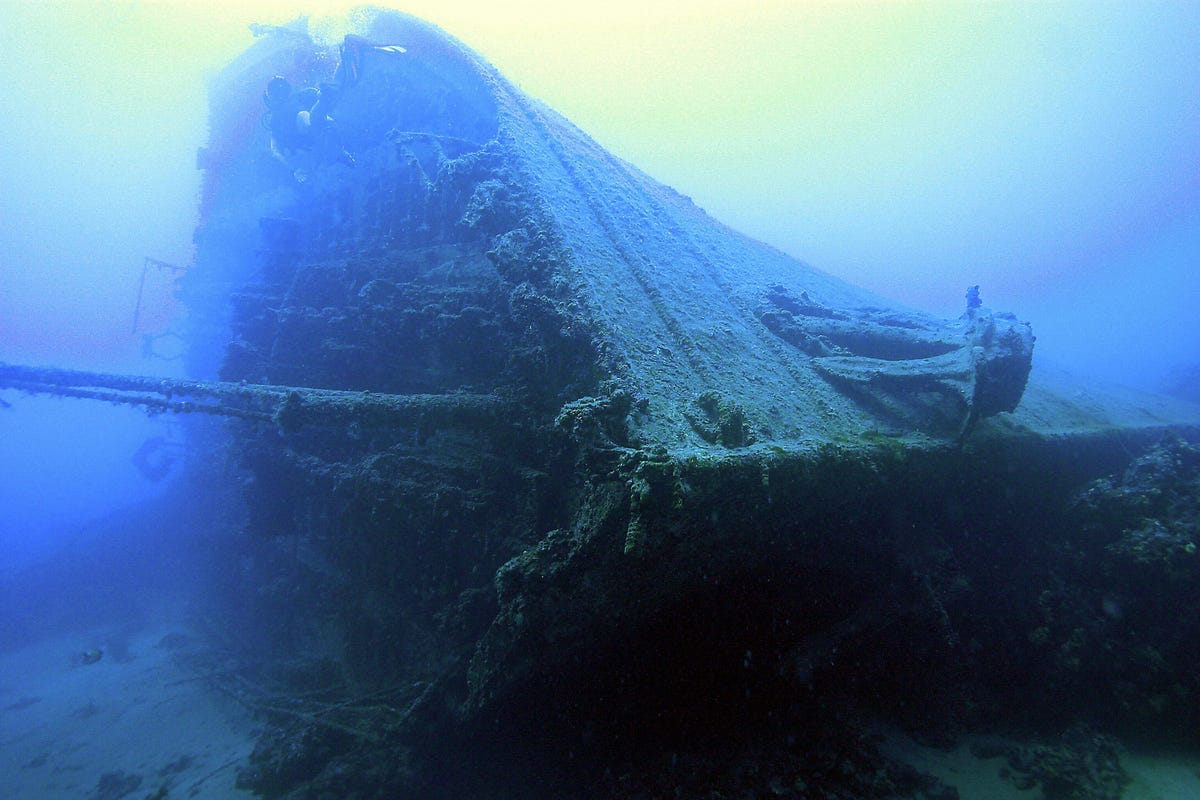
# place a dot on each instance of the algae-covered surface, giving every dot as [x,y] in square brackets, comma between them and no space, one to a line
[561,488]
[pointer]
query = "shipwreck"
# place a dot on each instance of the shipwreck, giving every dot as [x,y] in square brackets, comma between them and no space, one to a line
[557,486]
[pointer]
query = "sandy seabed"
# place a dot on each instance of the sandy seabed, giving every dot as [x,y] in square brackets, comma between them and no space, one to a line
[147,717]
[143,715]
[1153,775]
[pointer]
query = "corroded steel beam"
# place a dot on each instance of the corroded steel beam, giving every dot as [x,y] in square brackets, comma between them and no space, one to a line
[287,406]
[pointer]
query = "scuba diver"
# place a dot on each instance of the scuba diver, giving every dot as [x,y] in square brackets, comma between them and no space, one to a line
[300,120]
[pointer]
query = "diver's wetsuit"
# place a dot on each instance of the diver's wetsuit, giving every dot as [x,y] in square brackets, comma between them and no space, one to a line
[299,120]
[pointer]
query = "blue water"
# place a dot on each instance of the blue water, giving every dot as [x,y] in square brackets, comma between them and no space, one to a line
[67,463]
[98,173]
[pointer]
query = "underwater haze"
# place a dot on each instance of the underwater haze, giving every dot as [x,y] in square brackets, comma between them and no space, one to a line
[1047,153]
